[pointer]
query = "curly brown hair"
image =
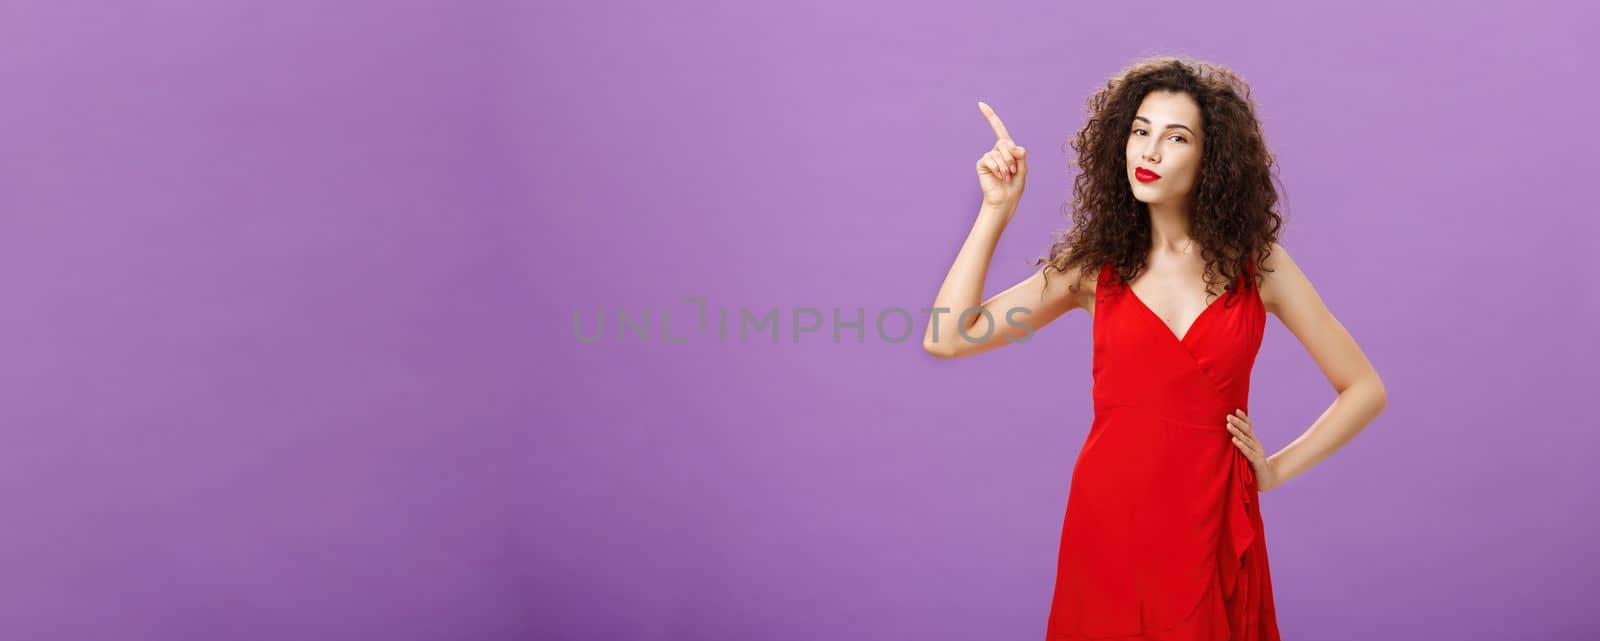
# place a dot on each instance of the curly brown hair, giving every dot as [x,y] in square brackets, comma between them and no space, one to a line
[1234,216]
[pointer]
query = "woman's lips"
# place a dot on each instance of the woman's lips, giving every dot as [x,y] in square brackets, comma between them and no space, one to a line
[1145,175]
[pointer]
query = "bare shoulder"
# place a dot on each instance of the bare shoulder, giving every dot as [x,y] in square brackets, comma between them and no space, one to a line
[1281,279]
[1084,289]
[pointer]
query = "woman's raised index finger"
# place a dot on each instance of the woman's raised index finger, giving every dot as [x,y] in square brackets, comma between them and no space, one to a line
[994,121]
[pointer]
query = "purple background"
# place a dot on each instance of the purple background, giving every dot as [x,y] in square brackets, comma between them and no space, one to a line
[289,341]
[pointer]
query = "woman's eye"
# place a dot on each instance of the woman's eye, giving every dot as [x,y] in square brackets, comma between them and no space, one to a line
[1178,136]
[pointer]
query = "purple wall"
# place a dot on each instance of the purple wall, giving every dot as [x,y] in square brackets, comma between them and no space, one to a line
[289,351]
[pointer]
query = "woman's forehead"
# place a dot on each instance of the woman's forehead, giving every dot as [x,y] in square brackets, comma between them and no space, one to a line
[1169,109]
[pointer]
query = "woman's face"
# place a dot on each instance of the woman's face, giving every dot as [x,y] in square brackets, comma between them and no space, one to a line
[1165,140]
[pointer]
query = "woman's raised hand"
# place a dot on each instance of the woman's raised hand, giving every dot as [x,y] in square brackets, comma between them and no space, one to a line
[1003,170]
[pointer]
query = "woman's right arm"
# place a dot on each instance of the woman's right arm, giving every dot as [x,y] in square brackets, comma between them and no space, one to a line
[961,324]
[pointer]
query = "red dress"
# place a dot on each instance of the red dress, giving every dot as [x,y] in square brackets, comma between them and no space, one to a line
[1162,538]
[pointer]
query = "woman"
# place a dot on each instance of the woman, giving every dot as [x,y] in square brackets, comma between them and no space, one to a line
[1174,254]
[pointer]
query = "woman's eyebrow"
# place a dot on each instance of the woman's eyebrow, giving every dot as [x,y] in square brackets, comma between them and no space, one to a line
[1147,121]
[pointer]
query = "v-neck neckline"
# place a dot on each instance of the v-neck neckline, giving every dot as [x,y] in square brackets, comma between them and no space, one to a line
[1184,339]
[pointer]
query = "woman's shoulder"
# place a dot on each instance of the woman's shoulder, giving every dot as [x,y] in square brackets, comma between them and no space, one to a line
[1074,283]
[1273,260]
[1089,283]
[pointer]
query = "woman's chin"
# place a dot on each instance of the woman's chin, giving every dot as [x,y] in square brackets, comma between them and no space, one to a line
[1147,195]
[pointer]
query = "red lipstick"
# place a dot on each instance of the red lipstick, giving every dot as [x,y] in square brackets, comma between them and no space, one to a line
[1145,175]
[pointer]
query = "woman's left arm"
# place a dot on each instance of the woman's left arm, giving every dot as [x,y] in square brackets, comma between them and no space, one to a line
[1288,294]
